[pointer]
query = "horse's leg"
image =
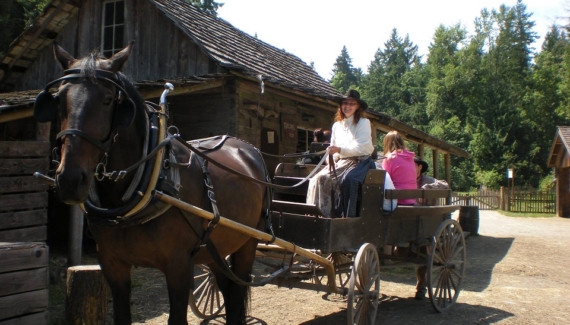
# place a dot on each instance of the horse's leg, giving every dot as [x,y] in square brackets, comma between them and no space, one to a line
[178,282]
[236,296]
[118,276]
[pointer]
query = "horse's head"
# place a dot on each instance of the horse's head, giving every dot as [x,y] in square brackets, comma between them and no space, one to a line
[92,105]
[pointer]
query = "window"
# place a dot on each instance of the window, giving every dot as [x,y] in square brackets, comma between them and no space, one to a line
[304,139]
[113,27]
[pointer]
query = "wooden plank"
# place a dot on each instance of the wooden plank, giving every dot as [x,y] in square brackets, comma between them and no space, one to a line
[23,166]
[23,281]
[12,184]
[30,234]
[424,211]
[23,201]
[24,303]
[296,208]
[22,256]
[10,220]
[416,194]
[32,319]
[24,149]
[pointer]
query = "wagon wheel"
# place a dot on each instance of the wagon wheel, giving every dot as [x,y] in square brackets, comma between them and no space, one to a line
[342,263]
[364,286]
[446,265]
[206,301]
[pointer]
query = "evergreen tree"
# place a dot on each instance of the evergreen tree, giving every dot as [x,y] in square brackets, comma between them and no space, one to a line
[209,6]
[383,87]
[344,75]
[15,16]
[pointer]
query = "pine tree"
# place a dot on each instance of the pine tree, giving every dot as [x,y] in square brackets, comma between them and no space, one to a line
[344,75]
[383,87]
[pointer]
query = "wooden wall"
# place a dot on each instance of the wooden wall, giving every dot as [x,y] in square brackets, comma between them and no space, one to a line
[205,114]
[23,200]
[258,111]
[161,49]
[23,283]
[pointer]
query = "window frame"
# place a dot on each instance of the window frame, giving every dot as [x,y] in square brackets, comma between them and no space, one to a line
[114,46]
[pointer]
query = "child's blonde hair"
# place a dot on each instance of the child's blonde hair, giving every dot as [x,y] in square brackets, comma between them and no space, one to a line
[393,142]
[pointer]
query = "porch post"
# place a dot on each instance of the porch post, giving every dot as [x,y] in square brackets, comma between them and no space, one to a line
[435,163]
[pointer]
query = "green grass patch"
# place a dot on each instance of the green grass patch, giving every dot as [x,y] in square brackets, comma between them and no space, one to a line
[526,214]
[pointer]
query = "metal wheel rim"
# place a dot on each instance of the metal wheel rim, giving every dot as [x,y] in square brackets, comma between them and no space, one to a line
[364,287]
[206,300]
[446,265]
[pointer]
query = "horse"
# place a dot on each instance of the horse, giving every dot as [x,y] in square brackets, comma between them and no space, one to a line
[103,123]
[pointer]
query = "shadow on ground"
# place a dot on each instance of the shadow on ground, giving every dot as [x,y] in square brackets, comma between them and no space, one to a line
[395,310]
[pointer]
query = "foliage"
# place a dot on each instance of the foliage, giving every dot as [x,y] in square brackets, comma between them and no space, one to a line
[489,178]
[15,15]
[345,76]
[209,6]
[547,183]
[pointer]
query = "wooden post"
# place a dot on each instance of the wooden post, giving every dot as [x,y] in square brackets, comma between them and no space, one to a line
[87,295]
[435,163]
[421,150]
[447,165]
[562,192]
[75,235]
[502,199]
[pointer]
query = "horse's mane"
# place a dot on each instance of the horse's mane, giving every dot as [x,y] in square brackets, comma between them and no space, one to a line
[91,62]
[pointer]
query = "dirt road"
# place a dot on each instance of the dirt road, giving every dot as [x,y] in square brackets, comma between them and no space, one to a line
[518,273]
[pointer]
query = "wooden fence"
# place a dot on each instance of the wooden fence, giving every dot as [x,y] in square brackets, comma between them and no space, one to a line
[516,200]
[531,202]
[484,199]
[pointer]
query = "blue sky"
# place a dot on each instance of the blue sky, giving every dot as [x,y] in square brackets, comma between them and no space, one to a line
[316,30]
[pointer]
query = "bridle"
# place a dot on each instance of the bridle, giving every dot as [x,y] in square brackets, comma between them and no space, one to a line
[45,107]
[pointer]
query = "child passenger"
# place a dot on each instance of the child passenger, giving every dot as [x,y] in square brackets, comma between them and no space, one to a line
[399,163]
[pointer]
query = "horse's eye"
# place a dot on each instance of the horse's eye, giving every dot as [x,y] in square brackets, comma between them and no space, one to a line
[108,101]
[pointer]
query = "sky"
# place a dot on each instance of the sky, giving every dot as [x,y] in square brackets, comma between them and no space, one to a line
[316,30]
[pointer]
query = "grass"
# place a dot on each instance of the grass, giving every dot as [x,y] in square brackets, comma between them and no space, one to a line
[526,214]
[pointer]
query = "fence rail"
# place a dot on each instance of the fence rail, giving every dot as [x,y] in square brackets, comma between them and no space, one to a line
[528,201]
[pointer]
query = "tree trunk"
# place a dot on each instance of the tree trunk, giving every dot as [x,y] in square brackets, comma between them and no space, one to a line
[87,295]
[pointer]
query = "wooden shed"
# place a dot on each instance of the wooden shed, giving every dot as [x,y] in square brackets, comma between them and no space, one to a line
[559,159]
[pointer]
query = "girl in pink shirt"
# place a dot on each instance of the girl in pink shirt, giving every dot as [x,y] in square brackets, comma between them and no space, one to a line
[399,163]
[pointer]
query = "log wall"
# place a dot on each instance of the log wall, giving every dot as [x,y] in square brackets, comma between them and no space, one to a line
[23,283]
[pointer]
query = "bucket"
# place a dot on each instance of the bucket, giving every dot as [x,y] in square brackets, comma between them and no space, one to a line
[469,219]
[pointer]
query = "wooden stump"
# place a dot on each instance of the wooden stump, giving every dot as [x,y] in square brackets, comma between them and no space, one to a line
[87,295]
[469,219]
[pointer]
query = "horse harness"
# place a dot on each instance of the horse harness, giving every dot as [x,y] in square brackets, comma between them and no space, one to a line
[158,174]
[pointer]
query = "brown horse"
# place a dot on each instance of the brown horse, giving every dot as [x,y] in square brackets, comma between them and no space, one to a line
[103,120]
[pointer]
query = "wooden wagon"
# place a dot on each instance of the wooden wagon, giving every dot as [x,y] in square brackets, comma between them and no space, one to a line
[343,255]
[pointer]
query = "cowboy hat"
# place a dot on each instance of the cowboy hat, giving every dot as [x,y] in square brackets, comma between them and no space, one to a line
[420,161]
[353,94]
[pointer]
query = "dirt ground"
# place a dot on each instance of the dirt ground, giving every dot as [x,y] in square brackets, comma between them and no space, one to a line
[517,273]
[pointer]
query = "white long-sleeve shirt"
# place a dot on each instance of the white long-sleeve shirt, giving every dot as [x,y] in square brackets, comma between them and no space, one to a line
[353,140]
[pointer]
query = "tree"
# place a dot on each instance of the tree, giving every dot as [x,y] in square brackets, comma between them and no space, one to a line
[15,15]
[209,6]
[383,87]
[344,75]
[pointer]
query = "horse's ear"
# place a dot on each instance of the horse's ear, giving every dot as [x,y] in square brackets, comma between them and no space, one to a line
[64,58]
[121,57]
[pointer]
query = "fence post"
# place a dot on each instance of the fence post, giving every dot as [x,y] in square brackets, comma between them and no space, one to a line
[502,199]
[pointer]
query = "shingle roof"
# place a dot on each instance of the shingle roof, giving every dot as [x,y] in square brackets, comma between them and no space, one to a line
[560,146]
[234,49]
